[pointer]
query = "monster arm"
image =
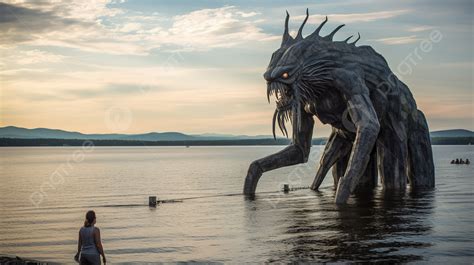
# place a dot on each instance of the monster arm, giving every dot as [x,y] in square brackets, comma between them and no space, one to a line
[297,152]
[336,147]
[363,116]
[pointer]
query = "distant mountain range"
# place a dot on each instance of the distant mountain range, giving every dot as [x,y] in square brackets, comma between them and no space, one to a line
[452,133]
[44,133]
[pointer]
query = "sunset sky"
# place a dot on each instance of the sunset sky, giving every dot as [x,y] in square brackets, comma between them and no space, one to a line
[196,66]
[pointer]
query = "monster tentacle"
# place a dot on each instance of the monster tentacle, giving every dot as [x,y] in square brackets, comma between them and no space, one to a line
[273,123]
[281,123]
[297,109]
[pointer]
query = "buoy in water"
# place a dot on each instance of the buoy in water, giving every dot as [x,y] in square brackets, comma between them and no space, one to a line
[152,201]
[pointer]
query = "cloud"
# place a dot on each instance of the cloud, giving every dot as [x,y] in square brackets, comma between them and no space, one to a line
[450,106]
[355,17]
[20,24]
[249,14]
[93,26]
[19,71]
[397,40]
[108,90]
[210,28]
[129,27]
[420,28]
[36,56]
[86,11]
[62,24]
[158,98]
[106,81]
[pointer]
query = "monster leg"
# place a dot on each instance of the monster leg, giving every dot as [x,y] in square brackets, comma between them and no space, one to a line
[339,168]
[362,114]
[392,153]
[421,169]
[367,181]
[297,152]
[370,177]
[336,148]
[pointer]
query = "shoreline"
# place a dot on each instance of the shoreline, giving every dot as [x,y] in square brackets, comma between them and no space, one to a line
[12,259]
[24,142]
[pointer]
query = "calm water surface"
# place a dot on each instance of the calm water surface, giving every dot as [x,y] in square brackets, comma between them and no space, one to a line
[46,191]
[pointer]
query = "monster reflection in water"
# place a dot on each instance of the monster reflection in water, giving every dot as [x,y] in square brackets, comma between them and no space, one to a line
[380,226]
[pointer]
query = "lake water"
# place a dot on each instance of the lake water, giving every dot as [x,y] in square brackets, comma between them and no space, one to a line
[46,191]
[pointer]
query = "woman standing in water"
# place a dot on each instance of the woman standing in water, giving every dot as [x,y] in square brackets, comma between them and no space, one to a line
[89,245]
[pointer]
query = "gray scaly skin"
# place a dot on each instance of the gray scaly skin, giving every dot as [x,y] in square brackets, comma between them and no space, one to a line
[373,114]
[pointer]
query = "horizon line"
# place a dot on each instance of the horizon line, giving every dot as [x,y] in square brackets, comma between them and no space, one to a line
[191,134]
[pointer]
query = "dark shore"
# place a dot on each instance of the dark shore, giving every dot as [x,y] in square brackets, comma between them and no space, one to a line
[5,142]
[15,260]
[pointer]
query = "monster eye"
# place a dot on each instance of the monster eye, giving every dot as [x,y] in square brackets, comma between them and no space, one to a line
[285,75]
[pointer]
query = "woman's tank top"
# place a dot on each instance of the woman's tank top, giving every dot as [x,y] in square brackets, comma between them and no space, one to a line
[88,242]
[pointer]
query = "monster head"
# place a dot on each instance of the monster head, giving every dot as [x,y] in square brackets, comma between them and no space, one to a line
[298,73]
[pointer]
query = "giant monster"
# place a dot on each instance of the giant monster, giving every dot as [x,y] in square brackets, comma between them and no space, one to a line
[376,126]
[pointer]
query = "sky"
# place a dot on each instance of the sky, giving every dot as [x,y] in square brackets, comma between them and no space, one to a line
[110,66]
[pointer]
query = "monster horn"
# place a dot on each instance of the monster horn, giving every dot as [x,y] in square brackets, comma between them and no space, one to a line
[358,38]
[348,38]
[331,35]
[286,34]
[300,31]
[315,34]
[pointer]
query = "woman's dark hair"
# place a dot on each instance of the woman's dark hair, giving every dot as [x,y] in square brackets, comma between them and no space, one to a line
[90,217]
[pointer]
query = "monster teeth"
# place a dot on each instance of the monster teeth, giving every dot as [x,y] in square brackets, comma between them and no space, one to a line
[271,89]
[278,89]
